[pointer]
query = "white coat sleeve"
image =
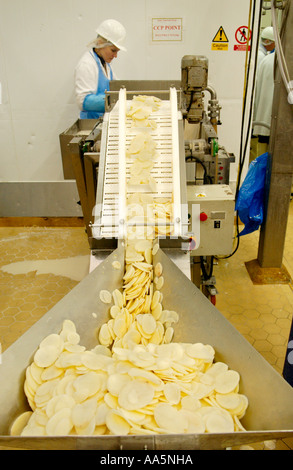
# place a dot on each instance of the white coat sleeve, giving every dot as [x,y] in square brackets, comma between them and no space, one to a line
[86,80]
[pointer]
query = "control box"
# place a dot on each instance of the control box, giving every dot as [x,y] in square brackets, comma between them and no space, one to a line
[213,207]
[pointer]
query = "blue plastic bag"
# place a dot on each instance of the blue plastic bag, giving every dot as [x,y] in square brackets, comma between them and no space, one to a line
[250,199]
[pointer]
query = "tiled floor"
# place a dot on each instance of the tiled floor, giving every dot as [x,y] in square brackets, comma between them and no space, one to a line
[40,265]
[262,313]
[33,275]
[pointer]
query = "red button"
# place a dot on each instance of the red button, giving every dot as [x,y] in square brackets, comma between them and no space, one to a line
[203,217]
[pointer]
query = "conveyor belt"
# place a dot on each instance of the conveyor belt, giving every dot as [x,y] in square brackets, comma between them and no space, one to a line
[166,170]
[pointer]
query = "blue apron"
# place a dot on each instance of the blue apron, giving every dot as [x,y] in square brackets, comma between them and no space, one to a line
[103,84]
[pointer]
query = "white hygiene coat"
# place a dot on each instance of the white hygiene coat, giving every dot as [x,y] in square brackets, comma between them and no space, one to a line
[264,92]
[262,52]
[87,77]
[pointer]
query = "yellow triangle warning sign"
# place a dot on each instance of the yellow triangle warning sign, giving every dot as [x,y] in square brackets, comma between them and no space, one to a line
[220,35]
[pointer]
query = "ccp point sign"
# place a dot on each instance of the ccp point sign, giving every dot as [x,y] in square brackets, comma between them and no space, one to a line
[166,29]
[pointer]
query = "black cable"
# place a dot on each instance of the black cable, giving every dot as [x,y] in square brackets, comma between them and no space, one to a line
[206,275]
[190,102]
[238,240]
[206,176]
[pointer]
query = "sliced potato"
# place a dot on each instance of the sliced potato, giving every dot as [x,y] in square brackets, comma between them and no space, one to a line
[135,395]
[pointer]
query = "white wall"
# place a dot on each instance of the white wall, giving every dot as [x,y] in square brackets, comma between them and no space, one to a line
[42,40]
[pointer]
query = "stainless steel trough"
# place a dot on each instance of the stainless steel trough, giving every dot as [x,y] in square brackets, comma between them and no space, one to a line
[270,411]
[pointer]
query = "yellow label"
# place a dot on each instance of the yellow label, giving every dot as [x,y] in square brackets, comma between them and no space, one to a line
[219,47]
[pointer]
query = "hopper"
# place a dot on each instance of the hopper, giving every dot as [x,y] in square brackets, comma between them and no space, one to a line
[270,411]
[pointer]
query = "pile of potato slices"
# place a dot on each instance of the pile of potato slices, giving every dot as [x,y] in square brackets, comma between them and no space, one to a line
[136,381]
[141,153]
[148,217]
[137,315]
[140,110]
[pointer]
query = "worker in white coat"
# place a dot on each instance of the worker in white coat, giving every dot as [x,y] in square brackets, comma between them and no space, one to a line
[94,73]
[259,138]
[267,44]
[264,93]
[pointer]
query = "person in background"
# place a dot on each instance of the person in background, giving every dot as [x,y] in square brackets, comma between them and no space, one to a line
[264,92]
[93,72]
[267,44]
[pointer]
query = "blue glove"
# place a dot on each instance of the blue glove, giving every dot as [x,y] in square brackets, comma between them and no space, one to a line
[94,103]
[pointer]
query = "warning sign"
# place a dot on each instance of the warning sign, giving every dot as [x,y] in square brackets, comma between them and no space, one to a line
[220,41]
[242,36]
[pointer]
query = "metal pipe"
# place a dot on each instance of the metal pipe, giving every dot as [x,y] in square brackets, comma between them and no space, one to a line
[214,107]
[212,91]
